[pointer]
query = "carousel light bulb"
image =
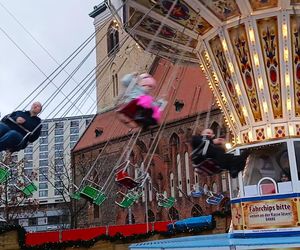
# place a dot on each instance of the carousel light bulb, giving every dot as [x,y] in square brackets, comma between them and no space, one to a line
[269,132]
[250,135]
[286,55]
[256,61]
[228,145]
[245,111]
[287,80]
[260,83]
[224,45]
[291,129]
[238,90]
[231,67]
[284,30]
[265,107]
[251,35]
[289,104]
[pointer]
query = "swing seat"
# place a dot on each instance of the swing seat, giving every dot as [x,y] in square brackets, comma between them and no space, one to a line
[90,192]
[4,173]
[215,199]
[135,115]
[29,189]
[75,195]
[208,166]
[100,199]
[129,199]
[167,203]
[125,180]
[197,194]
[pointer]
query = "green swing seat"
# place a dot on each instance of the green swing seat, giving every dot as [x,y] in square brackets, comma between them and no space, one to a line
[4,173]
[129,199]
[93,194]
[29,189]
[167,203]
[75,195]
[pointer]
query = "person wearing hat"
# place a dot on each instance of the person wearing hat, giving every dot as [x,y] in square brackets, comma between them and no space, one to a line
[139,88]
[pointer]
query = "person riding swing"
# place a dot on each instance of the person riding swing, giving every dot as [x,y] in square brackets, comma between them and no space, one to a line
[209,155]
[20,128]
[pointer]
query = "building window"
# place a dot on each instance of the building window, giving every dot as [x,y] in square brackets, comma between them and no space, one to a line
[115,82]
[43,148]
[43,140]
[179,175]
[59,131]
[59,146]
[151,216]
[74,130]
[172,184]
[59,139]
[53,220]
[28,150]
[43,177]
[44,163]
[43,155]
[96,212]
[43,185]
[59,125]
[87,121]
[74,124]
[28,164]
[43,193]
[187,173]
[43,171]
[113,39]
[44,133]
[173,213]
[74,137]
[58,191]
[59,154]
[45,126]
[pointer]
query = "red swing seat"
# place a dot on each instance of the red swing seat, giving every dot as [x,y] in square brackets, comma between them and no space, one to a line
[127,114]
[125,180]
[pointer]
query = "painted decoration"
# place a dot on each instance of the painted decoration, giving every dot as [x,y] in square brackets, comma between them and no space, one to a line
[268,34]
[279,131]
[219,55]
[246,138]
[263,4]
[223,9]
[295,45]
[260,134]
[150,26]
[240,46]
[180,13]
[158,47]
[237,216]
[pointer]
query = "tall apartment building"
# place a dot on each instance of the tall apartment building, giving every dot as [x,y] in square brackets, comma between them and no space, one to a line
[47,163]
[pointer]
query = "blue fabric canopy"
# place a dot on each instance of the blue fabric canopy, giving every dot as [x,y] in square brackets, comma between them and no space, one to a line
[192,223]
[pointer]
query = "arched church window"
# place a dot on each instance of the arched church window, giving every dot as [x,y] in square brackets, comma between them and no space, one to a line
[113,39]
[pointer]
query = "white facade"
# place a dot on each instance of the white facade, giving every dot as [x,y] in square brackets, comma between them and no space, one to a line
[47,163]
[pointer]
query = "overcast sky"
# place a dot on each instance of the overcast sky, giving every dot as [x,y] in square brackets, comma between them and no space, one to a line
[60,26]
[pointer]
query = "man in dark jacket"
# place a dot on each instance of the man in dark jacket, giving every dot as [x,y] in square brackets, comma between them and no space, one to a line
[209,155]
[20,128]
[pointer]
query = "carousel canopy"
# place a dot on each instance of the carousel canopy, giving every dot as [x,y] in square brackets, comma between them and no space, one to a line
[249,50]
